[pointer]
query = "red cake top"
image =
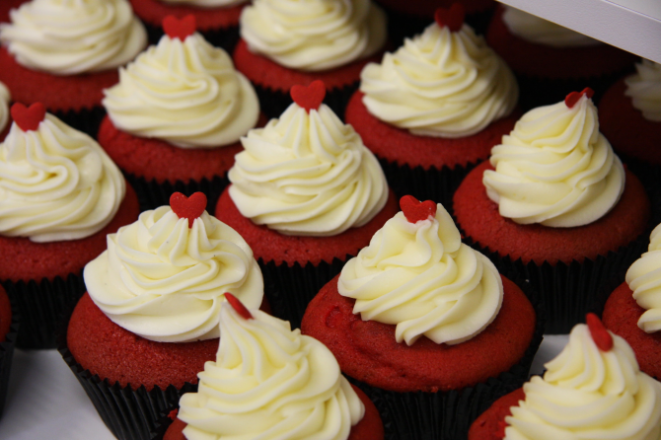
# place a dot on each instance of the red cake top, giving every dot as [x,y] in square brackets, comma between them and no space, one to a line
[238,306]
[453,18]
[310,97]
[415,210]
[573,97]
[599,334]
[188,207]
[179,28]
[28,118]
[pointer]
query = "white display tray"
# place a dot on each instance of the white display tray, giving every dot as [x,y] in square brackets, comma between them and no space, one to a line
[46,402]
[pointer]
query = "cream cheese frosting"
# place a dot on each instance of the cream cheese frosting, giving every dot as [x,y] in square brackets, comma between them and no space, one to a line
[206,3]
[644,279]
[440,83]
[69,37]
[421,278]
[591,394]
[555,168]
[539,31]
[269,383]
[644,88]
[5,97]
[184,92]
[56,183]
[307,174]
[165,281]
[313,35]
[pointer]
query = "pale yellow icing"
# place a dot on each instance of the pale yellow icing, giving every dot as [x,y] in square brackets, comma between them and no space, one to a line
[421,278]
[68,37]
[555,168]
[307,174]
[440,83]
[591,394]
[5,97]
[313,35]
[56,184]
[184,92]
[269,383]
[165,281]
[644,279]
[644,88]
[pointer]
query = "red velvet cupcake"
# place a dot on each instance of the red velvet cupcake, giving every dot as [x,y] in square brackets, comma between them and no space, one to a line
[61,196]
[8,331]
[426,325]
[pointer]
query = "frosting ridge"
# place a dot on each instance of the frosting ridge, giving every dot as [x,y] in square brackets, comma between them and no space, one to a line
[644,88]
[644,279]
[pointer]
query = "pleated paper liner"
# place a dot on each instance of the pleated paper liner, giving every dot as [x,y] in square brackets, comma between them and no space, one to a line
[7,353]
[152,194]
[41,305]
[86,120]
[226,38]
[289,290]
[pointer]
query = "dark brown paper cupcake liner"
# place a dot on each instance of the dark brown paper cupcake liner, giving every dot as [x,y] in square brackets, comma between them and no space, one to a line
[86,120]
[289,290]
[224,38]
[7,354]
[41,305]
[152,194]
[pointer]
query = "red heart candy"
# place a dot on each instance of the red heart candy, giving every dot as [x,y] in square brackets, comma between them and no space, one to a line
[453,18]
[599,334]
[415,210]
[573,97]
[309,97]
[28,118]
[238,306]
[188,207]
[176,28]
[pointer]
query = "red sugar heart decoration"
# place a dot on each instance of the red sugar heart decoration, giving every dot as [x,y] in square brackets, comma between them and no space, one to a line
[415,210]
[188,207]
[176,28]
[238,306]
[309,97]
[28,118]
[573,97]
[452,18]
[599,334]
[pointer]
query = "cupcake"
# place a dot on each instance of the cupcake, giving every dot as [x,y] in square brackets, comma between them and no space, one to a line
[286,42]
[305,194]
[434,108]
[176,116]
[8,331]
[426,325]
[217,20]
[64,53]
[633,310]
[60,195]
[5,97]
[154,299]
[592,390]
[271,382]
[555,206]
[550,60]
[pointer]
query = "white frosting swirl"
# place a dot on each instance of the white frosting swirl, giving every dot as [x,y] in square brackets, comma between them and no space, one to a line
[187,93]
[555,168]
[5,97]
[644,279]
[68,37]
[539,31]
[440,83]
[207,3]
[307,174]
[644,88]
[590,394]
[269,383]
[313,35]
[423,279]
[56,184]
[165,281]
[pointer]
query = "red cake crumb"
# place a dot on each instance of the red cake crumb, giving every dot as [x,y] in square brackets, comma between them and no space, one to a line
[367,350]
[489,426]
[22,259]
[478,217]
[5,314]
[270,245]
[401,147]
[621,314]
[153,12]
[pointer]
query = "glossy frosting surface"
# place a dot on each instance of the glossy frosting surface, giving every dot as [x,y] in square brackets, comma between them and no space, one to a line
[644,279]
[644,88]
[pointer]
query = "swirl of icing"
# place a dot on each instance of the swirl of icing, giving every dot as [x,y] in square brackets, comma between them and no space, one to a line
[539,31]
[206,3]
[68,37]
[269,383]
[56,184]
[555,168]
[423,279]
[307,174]
[644,88]
[5,97]
[313,35]
[440,83]
[591,394]
[644,279]
[186,93]
[165,281]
